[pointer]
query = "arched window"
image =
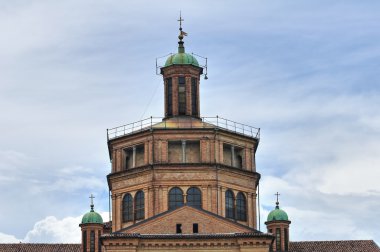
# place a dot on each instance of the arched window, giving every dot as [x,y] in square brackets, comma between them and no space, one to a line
[241,207]
[181,95]
[194,197]
[127,208]
[175,198]
[230,204]
[92,241]
[139,206]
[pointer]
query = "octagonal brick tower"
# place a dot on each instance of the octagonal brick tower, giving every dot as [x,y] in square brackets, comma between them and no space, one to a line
[162,164]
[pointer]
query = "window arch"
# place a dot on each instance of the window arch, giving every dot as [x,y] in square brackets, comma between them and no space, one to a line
[241,207]
[139,205]
[175,198]
[230,204]
[127,208]
[194,197]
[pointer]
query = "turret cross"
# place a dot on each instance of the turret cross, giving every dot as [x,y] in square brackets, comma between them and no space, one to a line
[180,21]
[92,200]
[277,194]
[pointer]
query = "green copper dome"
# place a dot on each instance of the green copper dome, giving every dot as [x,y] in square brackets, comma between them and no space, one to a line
[181,59]
[92,217]
[277,215]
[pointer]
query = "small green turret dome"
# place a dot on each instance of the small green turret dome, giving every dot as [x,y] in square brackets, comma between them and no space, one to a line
[277,215]
[181,59]
[92,216]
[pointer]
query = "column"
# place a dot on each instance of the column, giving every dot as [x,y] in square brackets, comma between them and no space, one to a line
[118,211]
[156,200]
[113,161]
[134,156]
[253,160]
[119,163]
[146,203]
[212,151]
[160,207]
[209,197]
[184,197]
[233,156]
[113,196]
[223,201]
[204,197]
[215,200]
[183,151]
[250,211]
[254,197]
[165,198]
[221,158]
[150,202]
[146,152]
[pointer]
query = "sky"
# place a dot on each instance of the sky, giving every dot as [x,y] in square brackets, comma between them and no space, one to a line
[305,72]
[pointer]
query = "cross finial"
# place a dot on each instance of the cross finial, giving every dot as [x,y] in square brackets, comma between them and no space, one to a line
[180,21]
[277,194]
[92,201]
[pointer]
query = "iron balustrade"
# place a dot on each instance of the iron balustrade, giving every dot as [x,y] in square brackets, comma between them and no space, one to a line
[179,122]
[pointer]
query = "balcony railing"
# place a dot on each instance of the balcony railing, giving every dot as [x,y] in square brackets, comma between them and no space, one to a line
[183,123]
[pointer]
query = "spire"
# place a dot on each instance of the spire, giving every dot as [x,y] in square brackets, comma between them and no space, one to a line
[181,48]
[92,202]
[277,203]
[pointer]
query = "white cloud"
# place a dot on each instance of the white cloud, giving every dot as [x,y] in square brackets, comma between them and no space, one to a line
[5,238]
[54,230]
[318,225]
[313,213]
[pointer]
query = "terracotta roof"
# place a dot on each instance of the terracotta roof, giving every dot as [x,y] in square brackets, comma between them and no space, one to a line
[309,246]
[39,247]
[334,246]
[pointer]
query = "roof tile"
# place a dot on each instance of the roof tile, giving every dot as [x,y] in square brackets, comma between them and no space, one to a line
[334,246]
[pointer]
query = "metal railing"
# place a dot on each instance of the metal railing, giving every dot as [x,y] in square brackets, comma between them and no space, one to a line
[180,123]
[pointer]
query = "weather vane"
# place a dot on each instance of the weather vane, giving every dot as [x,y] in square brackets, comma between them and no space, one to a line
[181,33]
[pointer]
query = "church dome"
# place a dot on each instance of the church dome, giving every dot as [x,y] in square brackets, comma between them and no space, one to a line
[181,59]
[92,217]
[277,215]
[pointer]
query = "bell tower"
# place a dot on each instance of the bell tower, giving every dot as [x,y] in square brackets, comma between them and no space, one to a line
[181,74]
[278,224]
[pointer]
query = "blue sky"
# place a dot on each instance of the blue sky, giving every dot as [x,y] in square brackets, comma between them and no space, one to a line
[305,72]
